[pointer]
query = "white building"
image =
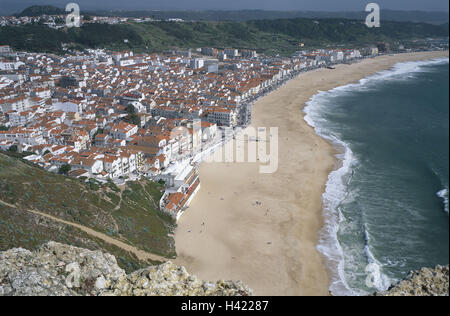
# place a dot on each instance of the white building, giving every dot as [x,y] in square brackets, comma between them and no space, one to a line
[68,107]
[231,52]
[20,118]
[122,130]
[197,63]
[223,116]
[18,104]
[9,64]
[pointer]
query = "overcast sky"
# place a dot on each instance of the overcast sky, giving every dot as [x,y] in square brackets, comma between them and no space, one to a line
[298,5]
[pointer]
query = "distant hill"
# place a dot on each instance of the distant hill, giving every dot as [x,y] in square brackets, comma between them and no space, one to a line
[129,214]
[37,10]
[281,36]
[247,15]
[433,17]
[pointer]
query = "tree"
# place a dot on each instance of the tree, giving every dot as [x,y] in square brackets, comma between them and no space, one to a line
[13,148]
[132,117]
[131,109]
[99,131]
[65,169]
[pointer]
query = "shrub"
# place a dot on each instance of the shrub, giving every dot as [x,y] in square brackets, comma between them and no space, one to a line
[64,169]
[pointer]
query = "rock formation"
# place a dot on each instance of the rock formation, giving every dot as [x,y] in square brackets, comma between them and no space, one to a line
[57,270]
[424,282]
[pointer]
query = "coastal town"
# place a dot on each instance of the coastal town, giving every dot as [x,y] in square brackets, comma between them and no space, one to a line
[58,21]
[101,115]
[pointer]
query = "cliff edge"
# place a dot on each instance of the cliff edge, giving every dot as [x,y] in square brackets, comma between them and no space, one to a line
[61,270]
[424,282]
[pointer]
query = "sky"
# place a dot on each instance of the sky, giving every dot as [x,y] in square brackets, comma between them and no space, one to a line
[284,5]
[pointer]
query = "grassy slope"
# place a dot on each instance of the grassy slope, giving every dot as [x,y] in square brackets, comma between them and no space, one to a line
[129,213]
[278,36]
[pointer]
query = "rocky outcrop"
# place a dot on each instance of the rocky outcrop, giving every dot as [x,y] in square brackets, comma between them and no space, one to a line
[424,282]
[58,270]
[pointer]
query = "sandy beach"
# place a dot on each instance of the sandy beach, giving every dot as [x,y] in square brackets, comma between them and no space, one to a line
[263,228]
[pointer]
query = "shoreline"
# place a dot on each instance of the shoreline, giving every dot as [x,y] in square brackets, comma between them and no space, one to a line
[264,229]
[337,185]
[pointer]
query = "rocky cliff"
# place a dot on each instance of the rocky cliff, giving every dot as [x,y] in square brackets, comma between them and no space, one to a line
[424,282]
[56,269]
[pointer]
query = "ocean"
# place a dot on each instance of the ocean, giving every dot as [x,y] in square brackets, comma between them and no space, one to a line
[386,206]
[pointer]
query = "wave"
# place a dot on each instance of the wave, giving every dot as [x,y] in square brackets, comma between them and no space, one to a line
[336,190]
[335,193]
[375,278]
[404,68]
[443,194]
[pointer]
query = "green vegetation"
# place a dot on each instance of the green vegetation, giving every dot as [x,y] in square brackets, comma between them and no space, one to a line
[37,10]
[34,37]
[113,186]
[132,117]
[98,132]
[280,36]
[94,185]
[15,154]
[129,213]
[64,169]
[435,17]
[26,230]
[250,15]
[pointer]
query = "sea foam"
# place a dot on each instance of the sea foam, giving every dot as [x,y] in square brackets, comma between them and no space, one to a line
[443,194]
[335,193]
[378,280]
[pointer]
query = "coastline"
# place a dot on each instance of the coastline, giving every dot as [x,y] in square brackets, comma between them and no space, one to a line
[264,228]
[344,269]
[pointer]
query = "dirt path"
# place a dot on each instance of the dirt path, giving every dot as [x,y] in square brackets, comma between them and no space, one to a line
[140,254]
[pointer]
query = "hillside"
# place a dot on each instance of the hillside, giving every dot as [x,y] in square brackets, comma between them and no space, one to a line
[280,36]
[433,17]
[37,10]
[37,206]
[248,15]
